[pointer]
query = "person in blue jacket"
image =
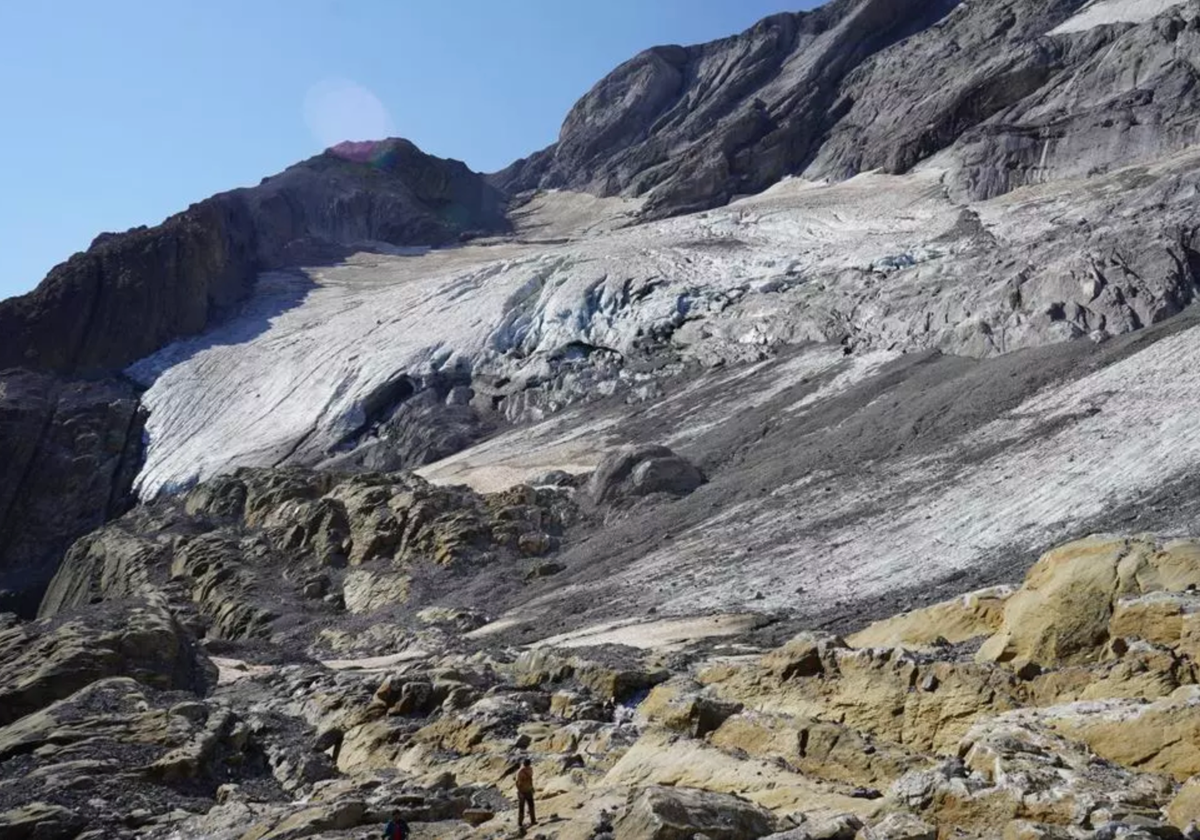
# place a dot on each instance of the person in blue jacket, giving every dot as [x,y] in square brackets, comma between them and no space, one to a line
[396,829]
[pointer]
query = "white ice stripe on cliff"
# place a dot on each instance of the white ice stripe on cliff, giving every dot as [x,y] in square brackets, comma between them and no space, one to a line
[1108,12]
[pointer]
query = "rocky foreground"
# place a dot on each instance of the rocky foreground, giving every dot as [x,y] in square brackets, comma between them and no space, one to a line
[270,656]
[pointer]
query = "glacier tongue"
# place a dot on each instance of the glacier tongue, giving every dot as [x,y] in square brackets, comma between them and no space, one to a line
[285,380]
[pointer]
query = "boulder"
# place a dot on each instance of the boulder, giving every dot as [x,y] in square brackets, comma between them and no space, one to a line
[660,813]
[634,471]
[1170,619]
[832,827]
[335,816]
[684,707]
[898,826]
[1063,610]
[462,620]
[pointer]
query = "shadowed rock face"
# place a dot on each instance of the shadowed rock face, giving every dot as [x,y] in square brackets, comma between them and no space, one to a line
[131,293]
[68,454]
[1010,96]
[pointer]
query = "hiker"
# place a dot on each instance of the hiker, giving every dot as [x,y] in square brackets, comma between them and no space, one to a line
[396,829]
[525,794]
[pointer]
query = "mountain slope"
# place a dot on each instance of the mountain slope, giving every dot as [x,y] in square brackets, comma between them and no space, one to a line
[410,513]
[391,361]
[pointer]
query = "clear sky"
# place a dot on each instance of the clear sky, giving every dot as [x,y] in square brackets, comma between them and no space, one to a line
[122,112]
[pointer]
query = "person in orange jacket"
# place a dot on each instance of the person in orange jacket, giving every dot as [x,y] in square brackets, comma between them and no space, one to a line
[525,794]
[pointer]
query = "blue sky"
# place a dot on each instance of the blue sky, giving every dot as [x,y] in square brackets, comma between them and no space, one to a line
[119,113]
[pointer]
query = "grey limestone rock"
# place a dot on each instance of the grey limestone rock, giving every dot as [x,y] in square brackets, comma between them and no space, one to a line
[641,470]
[661,813]
[857,85]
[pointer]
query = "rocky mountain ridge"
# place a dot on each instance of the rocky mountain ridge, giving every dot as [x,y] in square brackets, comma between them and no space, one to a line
[131,293]
[1003,94]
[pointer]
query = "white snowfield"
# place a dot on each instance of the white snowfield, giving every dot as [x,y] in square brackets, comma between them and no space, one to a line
[1108,12]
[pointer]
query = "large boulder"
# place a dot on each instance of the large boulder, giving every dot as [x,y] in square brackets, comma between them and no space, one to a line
[661,813]
[1063,612]
[634,471]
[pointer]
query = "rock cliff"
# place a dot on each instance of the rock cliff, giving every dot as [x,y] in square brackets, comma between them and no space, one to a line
[69,451]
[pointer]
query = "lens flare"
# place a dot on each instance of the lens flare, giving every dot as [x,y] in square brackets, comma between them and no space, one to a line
[339,109]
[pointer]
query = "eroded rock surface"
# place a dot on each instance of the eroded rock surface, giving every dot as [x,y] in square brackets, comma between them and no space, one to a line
[817,738]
